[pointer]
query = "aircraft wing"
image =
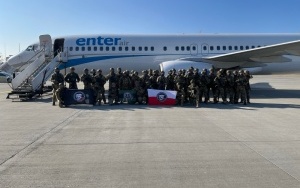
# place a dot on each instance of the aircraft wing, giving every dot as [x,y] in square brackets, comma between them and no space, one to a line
[253,57]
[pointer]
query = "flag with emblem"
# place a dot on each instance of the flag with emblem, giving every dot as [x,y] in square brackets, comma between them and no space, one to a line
[161,97]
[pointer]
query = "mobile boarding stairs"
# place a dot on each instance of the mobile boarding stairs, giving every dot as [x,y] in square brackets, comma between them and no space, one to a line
[30,82]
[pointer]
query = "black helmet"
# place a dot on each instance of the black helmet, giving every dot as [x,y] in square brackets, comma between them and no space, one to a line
[72,68]
[56,69]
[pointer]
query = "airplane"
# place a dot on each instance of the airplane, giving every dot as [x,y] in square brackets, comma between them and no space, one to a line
[258,53]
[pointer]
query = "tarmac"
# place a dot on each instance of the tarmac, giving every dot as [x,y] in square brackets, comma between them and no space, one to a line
[216,145]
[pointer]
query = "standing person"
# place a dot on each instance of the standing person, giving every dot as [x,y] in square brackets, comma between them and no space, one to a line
[72,78]
[193,89]
[112,87]
[211,85]
[220,83]
[241,87]
[87,79]
[161,81]
[100,80]
[170,85]
[248,88]
[56,79]
[230,86]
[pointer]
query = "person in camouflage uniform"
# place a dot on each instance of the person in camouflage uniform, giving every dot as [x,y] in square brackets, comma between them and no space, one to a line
[180,82]
[153,80]
[220,84]
[193,90]
[235,77]
[248,88]
[112,87]
[203,82]
[161,81]
[56,79]
[100,80]
[170,81]
[72,78]
[61,95]
[241,87]
[87,79]
[230,83]
[211,86]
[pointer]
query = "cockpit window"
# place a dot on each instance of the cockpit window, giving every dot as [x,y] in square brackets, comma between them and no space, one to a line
[29,48]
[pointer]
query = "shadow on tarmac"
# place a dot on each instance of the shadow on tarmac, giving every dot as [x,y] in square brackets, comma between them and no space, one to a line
[259,91]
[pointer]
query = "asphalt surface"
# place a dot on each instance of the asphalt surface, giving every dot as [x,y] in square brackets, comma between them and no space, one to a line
[216,145]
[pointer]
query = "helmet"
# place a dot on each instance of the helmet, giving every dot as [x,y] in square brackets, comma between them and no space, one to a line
[99,70]
[56,69]
[72,68]
[228,71]
[93,70]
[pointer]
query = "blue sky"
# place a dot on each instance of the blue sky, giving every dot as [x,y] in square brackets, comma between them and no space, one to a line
[23,21]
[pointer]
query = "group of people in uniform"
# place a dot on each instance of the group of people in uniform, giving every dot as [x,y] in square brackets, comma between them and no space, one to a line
[192,86]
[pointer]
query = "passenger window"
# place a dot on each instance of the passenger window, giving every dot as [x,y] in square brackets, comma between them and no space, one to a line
[113,48]
[95,48]
[235,48]
[89,48]
[132,48]
[126,48]
[176,48]
[194,48]
[77,49]
[146,48]
[101,48]
[120,48]
[71,48]
[107,48]
[165,48]
[82,48]
[182,48]
[224,47]
[252,46]
[241,47]
[229,47]
[204,48]
[258,46]
[188,48]
[140,48]
[152,48]
[218,48]
[211,48]
[247,47]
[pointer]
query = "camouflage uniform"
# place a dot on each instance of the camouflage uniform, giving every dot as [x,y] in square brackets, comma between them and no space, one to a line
[180,82]
[241,87]
[193,90]
[211,86]
[153,80]
[230,86]
[61,95]
[220,83]
[72,78]
[99,87]
[203,82]
[248,88]
[56,79]
[170,81]
[112,87]
[161,81]
[87,79]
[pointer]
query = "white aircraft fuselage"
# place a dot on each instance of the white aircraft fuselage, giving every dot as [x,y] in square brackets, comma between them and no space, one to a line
[259,53]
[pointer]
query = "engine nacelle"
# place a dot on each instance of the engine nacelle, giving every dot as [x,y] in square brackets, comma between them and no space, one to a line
[180,64]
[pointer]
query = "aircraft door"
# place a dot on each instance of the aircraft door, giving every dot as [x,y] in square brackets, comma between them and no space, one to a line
[46,44]
[204,49]
[58,46]
[194,49]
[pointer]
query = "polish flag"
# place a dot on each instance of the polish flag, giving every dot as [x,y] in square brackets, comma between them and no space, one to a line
[161,97]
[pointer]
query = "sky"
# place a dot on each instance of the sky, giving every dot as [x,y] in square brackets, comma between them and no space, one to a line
[21,22]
